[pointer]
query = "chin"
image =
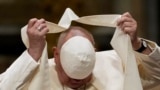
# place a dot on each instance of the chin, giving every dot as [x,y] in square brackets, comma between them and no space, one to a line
[75,86]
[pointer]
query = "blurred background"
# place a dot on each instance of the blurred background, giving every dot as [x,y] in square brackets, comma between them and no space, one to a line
[14,14]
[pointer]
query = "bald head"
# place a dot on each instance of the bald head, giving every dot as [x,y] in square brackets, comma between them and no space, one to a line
[74,31]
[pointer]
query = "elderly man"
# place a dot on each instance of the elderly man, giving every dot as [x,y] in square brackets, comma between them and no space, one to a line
[76,66]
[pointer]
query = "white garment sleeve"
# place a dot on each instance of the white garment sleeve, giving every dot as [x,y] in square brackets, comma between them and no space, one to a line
[153,63]
[149,67]
[18,72]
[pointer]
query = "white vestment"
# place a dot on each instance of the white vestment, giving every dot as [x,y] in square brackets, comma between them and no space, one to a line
[107,75]
[110,72]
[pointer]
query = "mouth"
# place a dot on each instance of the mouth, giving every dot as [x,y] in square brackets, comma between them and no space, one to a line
[76,81]
[76,84]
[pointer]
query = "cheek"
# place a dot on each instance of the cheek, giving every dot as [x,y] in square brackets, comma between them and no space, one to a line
[65,78]
[62,75]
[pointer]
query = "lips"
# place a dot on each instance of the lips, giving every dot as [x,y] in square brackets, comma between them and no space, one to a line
[76,81]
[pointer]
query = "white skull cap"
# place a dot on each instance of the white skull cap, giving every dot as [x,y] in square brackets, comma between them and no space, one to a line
[77,57]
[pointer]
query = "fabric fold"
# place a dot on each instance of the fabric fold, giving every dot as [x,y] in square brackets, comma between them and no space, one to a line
[120,42]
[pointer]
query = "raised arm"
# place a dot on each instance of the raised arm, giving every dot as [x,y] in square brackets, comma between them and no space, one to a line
[128,24]
[147,53]
[19,72]
[36,31]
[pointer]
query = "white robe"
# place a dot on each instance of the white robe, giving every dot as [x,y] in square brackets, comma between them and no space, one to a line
[107,75]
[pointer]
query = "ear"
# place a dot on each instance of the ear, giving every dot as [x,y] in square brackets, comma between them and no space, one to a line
[55,54]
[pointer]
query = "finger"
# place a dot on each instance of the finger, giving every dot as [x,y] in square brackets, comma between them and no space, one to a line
[127,14]
[127,29]
[42,20]
[44,31]
[37,24]
[127,24]
[41,26]
[32,22]
[123,19]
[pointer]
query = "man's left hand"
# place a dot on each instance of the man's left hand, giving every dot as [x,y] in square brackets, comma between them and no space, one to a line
[128,25]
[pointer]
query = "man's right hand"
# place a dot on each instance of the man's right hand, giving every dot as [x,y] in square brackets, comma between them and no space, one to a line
[36,31]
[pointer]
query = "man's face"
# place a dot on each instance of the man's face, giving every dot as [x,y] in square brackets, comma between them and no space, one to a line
[64,79]
[74,83]
[67,81]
